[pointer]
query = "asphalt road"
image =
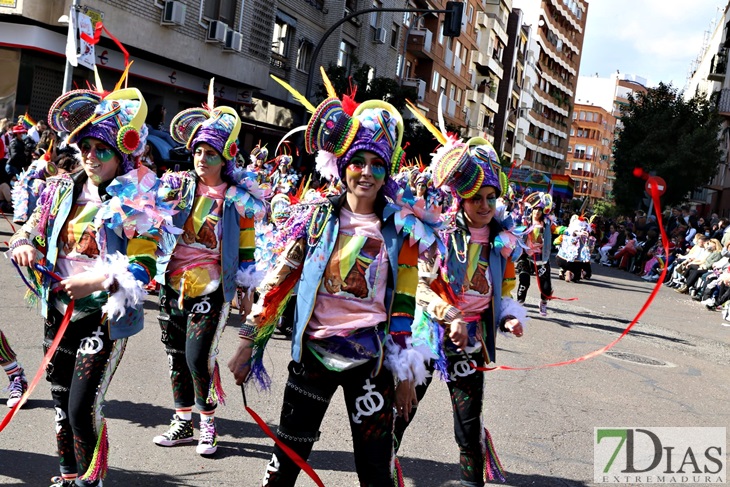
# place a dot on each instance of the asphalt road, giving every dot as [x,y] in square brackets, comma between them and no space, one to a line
[672,370]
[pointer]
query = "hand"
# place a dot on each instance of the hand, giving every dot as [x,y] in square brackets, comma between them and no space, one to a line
[514,326]
[239,365]
[405,399]
[458,333]
[81,285]
[24,255]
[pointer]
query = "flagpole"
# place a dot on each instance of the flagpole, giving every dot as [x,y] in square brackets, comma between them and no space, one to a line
[68,72]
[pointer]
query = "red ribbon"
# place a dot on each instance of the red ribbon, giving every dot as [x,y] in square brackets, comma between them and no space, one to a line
[97,35]
[42,369]
[301,463]
[7,220]
[537,278]
[647,304]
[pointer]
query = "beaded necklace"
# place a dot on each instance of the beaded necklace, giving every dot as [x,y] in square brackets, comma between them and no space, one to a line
[460,254]
[316,226]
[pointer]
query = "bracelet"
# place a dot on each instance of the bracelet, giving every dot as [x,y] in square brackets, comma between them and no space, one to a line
[19,243]
[247,331]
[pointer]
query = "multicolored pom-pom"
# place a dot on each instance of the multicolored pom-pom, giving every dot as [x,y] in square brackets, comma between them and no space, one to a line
[230,150]
[128,139]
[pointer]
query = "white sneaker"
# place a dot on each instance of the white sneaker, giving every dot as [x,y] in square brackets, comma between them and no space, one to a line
[543,308]
[208,442]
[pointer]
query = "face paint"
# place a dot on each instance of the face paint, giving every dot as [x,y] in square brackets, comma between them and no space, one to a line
[102,153]
[356,167]
[211,157]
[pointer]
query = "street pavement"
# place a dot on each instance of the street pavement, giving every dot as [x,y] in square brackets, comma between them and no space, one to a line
[671,370]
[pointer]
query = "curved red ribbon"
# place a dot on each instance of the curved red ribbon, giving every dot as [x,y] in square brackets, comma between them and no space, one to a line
[294,456]
[97,35]
[647,304]
[537,278]
[42,369]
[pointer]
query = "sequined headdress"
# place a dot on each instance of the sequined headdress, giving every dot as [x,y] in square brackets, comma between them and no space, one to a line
[215,126]
[117,118]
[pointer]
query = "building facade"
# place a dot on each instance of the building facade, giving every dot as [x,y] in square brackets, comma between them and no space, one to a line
[552,73]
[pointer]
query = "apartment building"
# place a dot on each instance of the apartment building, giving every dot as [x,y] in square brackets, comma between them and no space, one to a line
[178,45]
[437,65]
[590,150]
[549,93]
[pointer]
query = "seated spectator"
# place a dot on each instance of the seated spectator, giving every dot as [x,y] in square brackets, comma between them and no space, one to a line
[693,271]
[610,244]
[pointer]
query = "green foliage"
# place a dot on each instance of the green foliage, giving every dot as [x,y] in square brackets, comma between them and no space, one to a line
[379,88]
[670,137]
[605,209]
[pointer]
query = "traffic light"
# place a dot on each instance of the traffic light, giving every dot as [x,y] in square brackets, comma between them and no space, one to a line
[452,19]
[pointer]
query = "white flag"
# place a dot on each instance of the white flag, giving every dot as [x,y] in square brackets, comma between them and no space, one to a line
[71,40]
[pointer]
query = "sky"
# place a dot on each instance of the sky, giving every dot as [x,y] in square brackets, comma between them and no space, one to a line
[654,39]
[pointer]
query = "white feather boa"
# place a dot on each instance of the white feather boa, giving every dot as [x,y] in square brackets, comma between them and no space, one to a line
[510,307]
[130,291]
[249,278]
[326,165]
[405,363]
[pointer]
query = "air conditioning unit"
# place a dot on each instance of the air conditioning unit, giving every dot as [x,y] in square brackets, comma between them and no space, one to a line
[379,36]
[233,41]
[216,31]
[173,13]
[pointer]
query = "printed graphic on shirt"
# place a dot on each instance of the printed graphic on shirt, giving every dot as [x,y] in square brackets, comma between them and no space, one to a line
[477,270]
[79,236]
[352,269]
[200,229]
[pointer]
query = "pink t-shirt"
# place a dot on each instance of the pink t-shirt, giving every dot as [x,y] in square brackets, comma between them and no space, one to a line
[352,292]
[200,244]
[477,294]
[78,248]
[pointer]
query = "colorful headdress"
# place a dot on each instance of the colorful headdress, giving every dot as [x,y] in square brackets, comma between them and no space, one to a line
[540,200]
[339,128]
[464,167]
[117,118]
[215,126]
[259,153]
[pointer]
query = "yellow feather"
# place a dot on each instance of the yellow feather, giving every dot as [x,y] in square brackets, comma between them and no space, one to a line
[297,96]
[123,79]
[441,137]
[331,93]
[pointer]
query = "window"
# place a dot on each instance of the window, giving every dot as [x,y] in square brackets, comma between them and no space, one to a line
[375,16]
[394,34]
[582,115]
[435,81]
[350,6]
[344,57]
[470,13]
[444,83]
[441,33]
[408,69]
[452,92]
[303,54]
[223,10]
[280,39]
[570,148]
[398,64]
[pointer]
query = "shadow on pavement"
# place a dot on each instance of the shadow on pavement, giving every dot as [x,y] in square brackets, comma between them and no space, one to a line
[157,417]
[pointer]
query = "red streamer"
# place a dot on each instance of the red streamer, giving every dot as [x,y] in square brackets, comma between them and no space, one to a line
[290,453]
[537,278]
[97,35]
[647,304]
[42,369]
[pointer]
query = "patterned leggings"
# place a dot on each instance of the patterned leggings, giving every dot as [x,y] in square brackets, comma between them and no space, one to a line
[466,388]
[369,402]
[191,338]
[80,372]
[523,267]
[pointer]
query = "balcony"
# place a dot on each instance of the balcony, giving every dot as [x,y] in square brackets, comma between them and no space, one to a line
[582,173]
[419,43]
[279,62]
[723,103]
[718,69]
[418,84]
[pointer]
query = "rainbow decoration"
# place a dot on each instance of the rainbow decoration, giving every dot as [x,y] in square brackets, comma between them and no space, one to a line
[27,121]
[562,185]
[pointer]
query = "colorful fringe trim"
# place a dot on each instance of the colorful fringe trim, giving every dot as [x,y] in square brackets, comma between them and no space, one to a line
[216,394]
[397,474]
[274,305]
[100,462]
[492,466]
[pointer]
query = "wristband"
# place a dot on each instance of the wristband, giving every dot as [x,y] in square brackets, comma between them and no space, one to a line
[19,243]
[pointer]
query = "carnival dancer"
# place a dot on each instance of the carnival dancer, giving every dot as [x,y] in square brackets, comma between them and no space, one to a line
[356,276]
[83,230]
[31,182]
[260,165]
[538,239]
[9,362]
[574,253]
[464,294]
[285,178]
[212,257]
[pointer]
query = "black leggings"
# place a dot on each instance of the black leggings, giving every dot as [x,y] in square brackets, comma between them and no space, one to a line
[191,338]
[369,401]
[465,387]
[523,266]
[80,372]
